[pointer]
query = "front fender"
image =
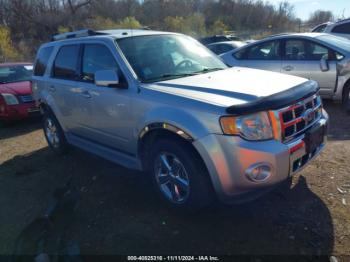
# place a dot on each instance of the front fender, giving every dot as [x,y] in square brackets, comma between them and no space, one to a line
[180,119]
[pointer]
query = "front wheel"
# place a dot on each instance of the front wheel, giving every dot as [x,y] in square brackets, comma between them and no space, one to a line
[180,176]
[54,134]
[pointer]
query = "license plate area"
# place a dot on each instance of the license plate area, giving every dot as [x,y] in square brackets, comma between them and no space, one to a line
[314,138]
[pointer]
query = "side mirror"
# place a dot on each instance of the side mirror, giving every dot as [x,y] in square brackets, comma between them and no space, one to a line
[324,65]
[108,78]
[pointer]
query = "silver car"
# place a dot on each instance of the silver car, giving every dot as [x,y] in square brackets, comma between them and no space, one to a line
[321,57]
[340,28]
[163,103]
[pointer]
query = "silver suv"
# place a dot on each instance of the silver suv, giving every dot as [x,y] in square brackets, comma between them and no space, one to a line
[163,103]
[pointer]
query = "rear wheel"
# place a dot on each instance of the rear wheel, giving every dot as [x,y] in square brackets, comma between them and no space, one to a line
[54,133]
[346,98]
[179,175]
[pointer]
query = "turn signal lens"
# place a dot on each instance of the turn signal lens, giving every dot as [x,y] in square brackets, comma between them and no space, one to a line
[228,124]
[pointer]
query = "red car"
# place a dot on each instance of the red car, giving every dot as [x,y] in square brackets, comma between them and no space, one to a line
[16,100]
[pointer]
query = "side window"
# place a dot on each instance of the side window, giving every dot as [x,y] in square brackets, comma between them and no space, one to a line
[41,61]
[264,51]
[317,52]
[295,50]
[342,29]
[66,62]
[97,57]
[320,28]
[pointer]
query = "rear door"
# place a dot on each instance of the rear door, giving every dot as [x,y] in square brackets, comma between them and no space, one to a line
[265,56]
[64,86]
[302,58]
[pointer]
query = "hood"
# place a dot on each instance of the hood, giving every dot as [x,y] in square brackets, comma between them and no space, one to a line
[234,86]
[17,88]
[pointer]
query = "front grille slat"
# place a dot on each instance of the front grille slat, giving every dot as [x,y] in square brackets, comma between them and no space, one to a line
[297,118]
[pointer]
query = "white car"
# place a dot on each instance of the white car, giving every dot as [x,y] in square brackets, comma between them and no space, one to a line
[340,28]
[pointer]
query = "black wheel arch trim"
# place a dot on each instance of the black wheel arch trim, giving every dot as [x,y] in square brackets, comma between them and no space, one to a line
[278,100]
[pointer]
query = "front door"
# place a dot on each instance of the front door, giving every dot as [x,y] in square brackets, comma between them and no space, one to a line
[265,56]
[107,109]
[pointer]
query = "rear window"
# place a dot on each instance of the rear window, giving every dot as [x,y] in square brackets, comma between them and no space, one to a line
[42,60]
[66,62]
[342,29]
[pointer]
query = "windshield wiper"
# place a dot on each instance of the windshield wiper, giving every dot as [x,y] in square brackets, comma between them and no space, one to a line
[168,77]
[207,70]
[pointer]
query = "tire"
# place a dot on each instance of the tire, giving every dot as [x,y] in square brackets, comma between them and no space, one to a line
[54,133]
[180,165]
[346,98]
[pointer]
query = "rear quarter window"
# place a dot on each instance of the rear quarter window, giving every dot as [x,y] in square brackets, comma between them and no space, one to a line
[42,60]
[342,29]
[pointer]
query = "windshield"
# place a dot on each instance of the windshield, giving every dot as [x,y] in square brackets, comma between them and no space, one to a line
[336,41]
[163,57]
[15,73]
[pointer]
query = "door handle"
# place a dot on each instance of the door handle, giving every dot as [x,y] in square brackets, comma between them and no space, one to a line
[288,68]
[52,88]
[86,94]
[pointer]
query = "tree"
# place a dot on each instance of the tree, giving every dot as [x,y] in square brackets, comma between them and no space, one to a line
[7,51]
[319,17]
[218,27]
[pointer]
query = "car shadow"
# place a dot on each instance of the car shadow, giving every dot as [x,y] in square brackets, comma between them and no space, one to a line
[119,213]
[14,129]
[339,121]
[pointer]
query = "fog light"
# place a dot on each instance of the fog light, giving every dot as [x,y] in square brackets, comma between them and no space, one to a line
[259,172]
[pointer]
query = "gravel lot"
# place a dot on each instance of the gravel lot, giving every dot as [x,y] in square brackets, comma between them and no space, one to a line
[119,213]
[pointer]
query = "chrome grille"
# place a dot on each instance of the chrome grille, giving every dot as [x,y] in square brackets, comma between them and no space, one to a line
[295,119]
[26,98]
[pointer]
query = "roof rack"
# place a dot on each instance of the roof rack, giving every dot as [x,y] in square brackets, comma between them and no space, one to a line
[76,34]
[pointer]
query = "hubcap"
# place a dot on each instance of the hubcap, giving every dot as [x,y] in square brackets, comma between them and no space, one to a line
[172,178]
[51,133]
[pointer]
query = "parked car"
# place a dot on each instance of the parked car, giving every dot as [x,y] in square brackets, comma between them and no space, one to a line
[163,103]
[218,38]
[340,28]
[223,47]
[16,100]
[322,57]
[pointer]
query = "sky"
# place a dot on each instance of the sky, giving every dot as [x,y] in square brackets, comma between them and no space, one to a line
[304,8]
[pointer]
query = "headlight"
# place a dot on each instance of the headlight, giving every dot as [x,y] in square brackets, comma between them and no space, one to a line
[251,127]
[10,99]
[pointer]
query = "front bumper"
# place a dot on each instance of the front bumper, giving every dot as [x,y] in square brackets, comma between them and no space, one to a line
[18,112]
[229,157]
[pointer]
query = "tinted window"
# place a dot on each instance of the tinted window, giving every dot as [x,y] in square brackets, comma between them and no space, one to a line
[264,51]
[96,57]
[41,61]
[342,29]
[66,62]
